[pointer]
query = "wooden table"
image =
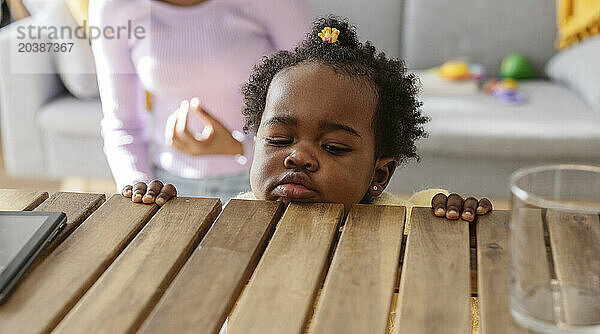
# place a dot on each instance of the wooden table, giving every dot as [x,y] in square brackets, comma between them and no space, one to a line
[120,267]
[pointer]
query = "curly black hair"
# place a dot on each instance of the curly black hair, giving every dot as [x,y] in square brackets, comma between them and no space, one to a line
[398,121]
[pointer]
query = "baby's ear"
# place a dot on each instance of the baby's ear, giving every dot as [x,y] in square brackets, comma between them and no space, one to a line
[384,169]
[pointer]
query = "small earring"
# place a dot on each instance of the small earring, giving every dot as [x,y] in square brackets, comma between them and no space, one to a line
[375,187]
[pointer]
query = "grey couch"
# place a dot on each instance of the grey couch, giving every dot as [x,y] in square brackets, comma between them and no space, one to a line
[474,142]
[48,130]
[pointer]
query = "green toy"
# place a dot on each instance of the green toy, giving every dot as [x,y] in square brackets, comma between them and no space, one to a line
[516,66]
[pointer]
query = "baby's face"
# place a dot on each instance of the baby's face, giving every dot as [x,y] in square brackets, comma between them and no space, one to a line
[315,142]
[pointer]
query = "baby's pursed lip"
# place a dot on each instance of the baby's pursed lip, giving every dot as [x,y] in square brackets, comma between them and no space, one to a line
[297,178]
[295,185]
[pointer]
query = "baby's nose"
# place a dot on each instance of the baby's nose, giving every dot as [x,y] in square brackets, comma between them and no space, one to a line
[301,159]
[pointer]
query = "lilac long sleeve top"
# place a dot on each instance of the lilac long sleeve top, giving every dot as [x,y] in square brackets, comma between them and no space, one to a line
[205,51]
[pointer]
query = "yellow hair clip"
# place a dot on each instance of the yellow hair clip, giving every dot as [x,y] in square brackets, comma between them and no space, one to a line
[329,35]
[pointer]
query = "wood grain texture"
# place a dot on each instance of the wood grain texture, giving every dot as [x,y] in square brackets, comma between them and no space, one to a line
[21,200]
[128,290]
[435,284]
[493,264]
[575,244]
[57,283]
[281,294]
[204,291]
[77,207]
[359,287]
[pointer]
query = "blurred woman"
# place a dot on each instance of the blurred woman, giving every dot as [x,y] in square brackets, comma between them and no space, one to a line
[171,95]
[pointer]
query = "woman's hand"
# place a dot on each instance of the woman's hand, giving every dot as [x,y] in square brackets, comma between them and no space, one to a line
[155,192]
[214,139]
[453,206]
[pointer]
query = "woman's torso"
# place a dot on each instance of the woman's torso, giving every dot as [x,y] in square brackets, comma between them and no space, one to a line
[206,50]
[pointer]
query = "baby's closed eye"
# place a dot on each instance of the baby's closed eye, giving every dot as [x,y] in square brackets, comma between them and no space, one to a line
[336,149]
[278,141]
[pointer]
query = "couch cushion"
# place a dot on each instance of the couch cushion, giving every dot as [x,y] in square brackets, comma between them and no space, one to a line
[553,124]
[68,156]
[71,116]
[478,31]
[76,67]
[578,68]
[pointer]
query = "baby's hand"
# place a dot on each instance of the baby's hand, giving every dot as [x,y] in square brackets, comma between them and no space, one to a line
[454,206]
[142,193]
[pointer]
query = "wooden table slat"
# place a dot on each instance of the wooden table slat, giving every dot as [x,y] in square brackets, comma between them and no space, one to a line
[575,244]
[21,200]
[205,290]
[359,287]
[128,290]
[493,264]
[77,207]
[281,293]
[435,284]
[57,283]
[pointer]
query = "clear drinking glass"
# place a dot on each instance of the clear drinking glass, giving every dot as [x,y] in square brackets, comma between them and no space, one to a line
[555,248]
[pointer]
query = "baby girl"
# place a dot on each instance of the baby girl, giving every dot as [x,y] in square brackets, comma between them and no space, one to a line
[332,120]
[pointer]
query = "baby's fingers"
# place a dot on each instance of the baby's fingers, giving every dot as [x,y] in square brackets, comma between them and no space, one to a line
[438,204]
[153,189]
[454,206]
[167,192]
[484,206]
[468,212]
[139,189]
[127,191]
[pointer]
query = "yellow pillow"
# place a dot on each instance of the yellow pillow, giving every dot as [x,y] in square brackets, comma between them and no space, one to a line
[577,20]
[79,10]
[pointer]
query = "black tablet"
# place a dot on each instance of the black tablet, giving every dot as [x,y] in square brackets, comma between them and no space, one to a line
[23,235]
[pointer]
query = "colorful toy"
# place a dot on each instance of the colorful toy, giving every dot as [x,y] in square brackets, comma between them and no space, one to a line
[477,71]
[516,66]
[506,91]
[455,70]
[460,70]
